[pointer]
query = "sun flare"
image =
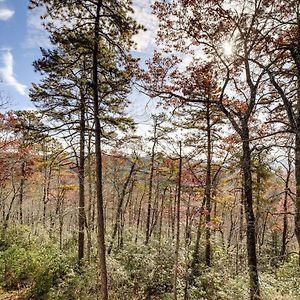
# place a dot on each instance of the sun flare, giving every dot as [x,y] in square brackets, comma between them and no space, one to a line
[227,48]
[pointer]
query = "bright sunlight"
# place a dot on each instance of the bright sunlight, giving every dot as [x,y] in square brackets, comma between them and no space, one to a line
[227,48]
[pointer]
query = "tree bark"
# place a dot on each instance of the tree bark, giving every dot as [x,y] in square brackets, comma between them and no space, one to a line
[249,214]
[285,210]
[98,153]
[208,190]
[139,216]
[22,184]
[296,55]
[90,199]
[81,175]
[149,208]
[297,202]
[177,225]
[161,214]
[117,225]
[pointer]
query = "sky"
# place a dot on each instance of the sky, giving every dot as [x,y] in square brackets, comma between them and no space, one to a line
[21,36]
[17,52]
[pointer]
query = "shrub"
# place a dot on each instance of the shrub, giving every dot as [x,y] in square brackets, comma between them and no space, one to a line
[25,264]
[150,270]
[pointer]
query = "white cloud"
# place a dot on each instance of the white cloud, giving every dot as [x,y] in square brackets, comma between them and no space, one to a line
[7,73]
[6,13]
[36,34]
[143,15]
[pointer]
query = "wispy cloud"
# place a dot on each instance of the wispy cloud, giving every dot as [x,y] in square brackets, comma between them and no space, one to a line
[36,34]
[7,73]
[143,15]
[6,13]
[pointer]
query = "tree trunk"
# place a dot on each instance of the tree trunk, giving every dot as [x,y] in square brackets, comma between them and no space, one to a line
[196,252]
[5,223]
[123,215]
[46,189]
[208,190]
[162,207]
[155,211]
[98,153]
[177,225]
[117,225]
[22,184]
[81,174]
[148,222]
[187,233]
[240,233]
[258,215]
[60,214]
[297,202]
[296,56]
[285,210]
[250,218]
[90,198]
[139,216]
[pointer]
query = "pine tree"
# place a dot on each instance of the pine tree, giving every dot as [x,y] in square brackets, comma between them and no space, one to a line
[101,32]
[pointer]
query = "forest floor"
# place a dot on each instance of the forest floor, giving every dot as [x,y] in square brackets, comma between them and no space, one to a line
[33,266]
[15,295]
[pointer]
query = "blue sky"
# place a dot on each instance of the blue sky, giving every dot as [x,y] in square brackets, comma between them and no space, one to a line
[21,36]
[17,52]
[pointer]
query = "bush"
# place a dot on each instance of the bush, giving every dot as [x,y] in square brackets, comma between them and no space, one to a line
[134,272]
[150,270]
[284,282]
[24,264]
[76,285]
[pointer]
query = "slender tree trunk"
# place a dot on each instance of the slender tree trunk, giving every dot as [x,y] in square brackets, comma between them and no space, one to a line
[155,211]
[60,212]
[2,207]
[240,233]
[297,175]
[90,198]
[264,227]
[187,234]
[162,207]
[187,237]
[139,216]
[117,225]
[173,212]
[123,215]
[208,190]
[149,208]
[46,191]
[81,175]
[44,198]
[177,225]
[22,184]
[258,215]
[250,218]
[285,217]
[296,55]
[8,213]
[98,153]
[46,184]
[231,229]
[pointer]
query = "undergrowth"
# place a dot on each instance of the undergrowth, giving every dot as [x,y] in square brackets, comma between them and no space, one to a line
[35,263]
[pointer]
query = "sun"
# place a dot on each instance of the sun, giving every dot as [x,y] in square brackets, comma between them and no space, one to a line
[227,48]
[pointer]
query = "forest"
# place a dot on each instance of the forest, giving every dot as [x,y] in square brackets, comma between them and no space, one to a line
[204,203]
